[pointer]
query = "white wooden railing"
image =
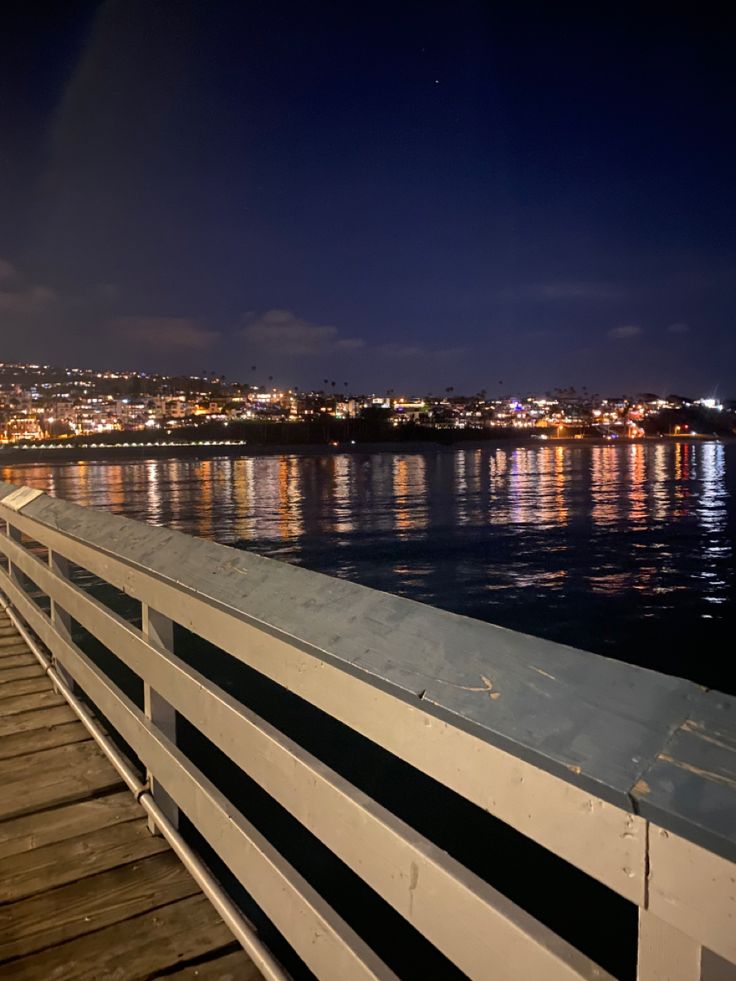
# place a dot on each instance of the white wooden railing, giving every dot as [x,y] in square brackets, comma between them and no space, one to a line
[626,774]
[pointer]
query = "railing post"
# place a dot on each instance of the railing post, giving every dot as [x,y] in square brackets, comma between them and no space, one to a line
[14,534]
[160,631]
[60,619]
[665,953]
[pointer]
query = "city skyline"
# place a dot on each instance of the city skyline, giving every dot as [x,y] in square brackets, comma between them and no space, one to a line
[400,199]
[42,403]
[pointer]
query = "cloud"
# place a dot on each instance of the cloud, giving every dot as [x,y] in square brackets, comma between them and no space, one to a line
[679,329]
[625,332]
[8,272]
[282,332]
[27,302]
[350,344]
[165,333]
[20,297]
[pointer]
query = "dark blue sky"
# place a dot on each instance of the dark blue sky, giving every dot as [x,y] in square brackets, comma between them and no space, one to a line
[412,196]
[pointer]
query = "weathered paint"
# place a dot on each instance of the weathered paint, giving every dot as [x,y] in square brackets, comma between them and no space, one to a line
[691,783]
[17,499]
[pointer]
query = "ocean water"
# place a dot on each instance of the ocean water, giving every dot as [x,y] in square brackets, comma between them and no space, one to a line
[624,550]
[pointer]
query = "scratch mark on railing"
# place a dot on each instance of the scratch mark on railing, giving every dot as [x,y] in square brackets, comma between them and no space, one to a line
[485,688]
[698,771]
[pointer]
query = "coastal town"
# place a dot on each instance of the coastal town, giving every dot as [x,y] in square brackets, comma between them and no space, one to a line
[46,404]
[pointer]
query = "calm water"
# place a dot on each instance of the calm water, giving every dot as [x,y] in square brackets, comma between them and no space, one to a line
[624,550]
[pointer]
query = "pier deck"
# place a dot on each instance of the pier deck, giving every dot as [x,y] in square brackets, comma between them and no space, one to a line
[86,891]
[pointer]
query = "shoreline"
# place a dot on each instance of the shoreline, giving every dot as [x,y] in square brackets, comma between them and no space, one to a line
[211,449]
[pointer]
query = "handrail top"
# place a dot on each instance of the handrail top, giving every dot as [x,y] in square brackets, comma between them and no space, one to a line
[653,744]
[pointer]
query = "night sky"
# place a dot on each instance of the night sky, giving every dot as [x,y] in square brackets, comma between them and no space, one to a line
[411,196]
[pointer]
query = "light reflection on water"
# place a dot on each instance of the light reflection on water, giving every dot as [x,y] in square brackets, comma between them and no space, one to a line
[625,550]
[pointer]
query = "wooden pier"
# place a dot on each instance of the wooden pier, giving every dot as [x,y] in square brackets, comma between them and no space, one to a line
[86,891]
[218,687]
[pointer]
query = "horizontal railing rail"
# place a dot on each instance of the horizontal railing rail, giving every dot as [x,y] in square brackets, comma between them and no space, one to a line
[626,774]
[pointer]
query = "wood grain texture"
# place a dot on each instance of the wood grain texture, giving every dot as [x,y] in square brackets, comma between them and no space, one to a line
[135,949]
[53,777]
[23,743]
[29,703]
[235,966]
[9,650]
[56,865]
[10,639]
[23,686]
[42,718]
[17,661]
[17,672]
[71,821]
[86,905]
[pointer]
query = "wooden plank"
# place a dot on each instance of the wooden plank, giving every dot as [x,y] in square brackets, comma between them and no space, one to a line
[29,703]
[40,719]
[53,777]
[31,669]
[20,647]
[690,788]
[20,497]
[665,954]
[23,686]
[41,869]
[136,949]
[11,639]
[24,743]
[235,966]
[16,661]
[70,821]
[82,907]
